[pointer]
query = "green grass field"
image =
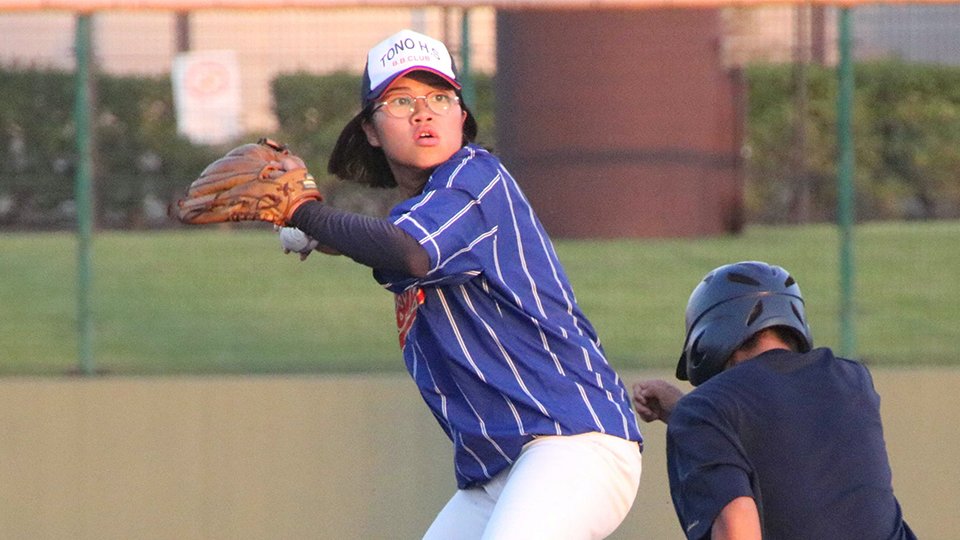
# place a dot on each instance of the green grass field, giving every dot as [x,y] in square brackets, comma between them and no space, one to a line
[215,300]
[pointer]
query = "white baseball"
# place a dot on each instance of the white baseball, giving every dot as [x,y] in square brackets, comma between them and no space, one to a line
[293,239]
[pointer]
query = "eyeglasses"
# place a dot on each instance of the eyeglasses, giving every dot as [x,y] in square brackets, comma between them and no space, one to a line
[403,105]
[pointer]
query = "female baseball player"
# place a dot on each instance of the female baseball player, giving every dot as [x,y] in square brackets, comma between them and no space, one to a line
[545,441]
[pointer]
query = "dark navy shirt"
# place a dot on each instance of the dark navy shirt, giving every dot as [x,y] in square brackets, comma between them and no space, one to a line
[493,335]
[799,433]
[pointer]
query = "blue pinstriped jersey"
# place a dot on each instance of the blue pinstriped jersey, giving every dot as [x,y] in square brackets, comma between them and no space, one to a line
[492,335]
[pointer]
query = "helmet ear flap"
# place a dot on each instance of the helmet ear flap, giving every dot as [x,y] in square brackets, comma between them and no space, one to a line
[704,356]
[694,354]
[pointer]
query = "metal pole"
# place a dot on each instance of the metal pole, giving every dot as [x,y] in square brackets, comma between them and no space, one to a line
[801,178]
[182,29]
[845,195]
[469,88]
[84,196]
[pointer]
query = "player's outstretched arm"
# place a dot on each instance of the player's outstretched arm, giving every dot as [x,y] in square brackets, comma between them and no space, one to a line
[655,399]
[739,520]
[371,241]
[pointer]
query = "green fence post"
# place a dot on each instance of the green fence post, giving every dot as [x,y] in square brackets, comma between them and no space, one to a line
[84,196]
[845,195]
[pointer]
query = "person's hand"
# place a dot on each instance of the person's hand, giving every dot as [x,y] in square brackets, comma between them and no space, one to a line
[655,399]
[293,240]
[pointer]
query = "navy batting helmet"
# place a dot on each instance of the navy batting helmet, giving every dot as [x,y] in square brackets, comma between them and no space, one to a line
[731,304]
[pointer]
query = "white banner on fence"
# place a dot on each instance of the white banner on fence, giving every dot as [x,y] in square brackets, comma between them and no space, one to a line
[206,93]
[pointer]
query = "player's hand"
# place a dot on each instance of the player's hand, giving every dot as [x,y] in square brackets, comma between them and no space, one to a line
[655,399]
[293,240]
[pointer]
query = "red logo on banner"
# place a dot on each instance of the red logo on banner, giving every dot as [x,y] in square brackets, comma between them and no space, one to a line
[407,303]
[206,78]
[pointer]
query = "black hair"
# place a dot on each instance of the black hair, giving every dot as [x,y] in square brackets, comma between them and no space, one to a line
[354,159]
[788,335]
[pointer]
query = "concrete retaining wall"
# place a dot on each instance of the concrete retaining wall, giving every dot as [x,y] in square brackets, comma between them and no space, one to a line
[339,457]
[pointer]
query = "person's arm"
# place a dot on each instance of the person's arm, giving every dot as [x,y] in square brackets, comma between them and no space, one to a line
[371,241]
[739,520]
[655,399]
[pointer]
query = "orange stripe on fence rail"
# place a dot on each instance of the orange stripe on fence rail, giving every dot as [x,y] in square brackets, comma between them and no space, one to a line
[185,5]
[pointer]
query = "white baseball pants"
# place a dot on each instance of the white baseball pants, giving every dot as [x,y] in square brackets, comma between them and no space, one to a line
[561,487]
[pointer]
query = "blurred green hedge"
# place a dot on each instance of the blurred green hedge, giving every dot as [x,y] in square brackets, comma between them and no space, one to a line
[139,159]
[906,124]
[906,121]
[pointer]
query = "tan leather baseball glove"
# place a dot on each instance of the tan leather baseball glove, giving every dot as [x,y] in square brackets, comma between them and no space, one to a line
[253,182]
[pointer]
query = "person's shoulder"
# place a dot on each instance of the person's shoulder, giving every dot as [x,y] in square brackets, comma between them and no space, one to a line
[470,168]
[725,388]
[826,355]
[827,365]
[705,407]
[854,370]
[711,394]
[475,156]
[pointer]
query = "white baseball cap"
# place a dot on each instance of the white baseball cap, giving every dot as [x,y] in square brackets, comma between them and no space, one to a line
[400,54]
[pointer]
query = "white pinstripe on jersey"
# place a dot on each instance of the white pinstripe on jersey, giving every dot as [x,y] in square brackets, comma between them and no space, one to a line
[503,351]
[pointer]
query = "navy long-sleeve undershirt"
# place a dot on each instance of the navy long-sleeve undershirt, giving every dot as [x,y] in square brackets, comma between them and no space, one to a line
[370,241]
